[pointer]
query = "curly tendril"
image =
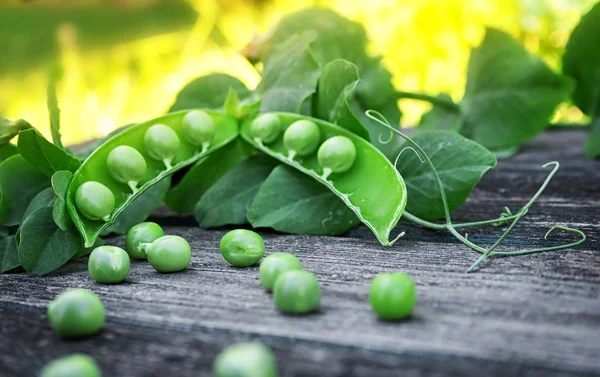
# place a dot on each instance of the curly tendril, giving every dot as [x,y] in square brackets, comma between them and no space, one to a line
[504,218]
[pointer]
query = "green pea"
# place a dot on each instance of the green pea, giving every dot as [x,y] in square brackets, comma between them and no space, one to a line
[245,360]
[336,155]
[95,201]
[76,313]
[266,128]
[242,248]
[302,138]
[126,165]
[198,128]
[108,264]
[392,296]
[140,237]
[161,143]
[76,365]
[169,254]
[297,292]
[274,265]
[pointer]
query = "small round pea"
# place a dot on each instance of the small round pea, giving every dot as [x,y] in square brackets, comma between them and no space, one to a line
[274,265]
[126,165]
[94,200]
[169,254]
[245,360]
[266,128]
[161,143]
[198,128]
[242,248]
[336,155]
[302,138]
[297,292]
[76,313]
[392,295]
[108,264]
[140,237]
[76,365]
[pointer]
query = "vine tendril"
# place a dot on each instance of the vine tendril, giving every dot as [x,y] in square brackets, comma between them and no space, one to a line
[504,218]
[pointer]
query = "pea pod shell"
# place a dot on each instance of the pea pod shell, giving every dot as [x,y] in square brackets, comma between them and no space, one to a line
[372,188]
[94,167]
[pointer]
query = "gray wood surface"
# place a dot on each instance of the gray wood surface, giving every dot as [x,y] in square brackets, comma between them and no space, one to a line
[536,315]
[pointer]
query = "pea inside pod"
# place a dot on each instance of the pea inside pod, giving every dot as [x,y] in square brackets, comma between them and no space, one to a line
[351,167]
[155,150]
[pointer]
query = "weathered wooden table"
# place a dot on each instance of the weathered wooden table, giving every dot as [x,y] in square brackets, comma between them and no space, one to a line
[536,315]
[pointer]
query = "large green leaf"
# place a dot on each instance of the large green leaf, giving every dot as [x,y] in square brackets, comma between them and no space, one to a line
[228,200]
[510,94]
[44,198]
[592,145]
[208,92]
[20,182]
[442,117]
[45,156]
[9,254]
[336,87]
[292,202]
[460,163]
[290,75]
[183,197]
[60,182]
[44,247]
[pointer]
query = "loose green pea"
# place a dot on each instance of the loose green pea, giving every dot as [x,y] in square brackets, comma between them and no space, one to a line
[126,165]
[336,155]
[242,248]
[108,264]
[161,143]
[198,128]
[169,254]
[76,313]
[140,237]
[302,138]
[297,292]
[95,201]
[274,265]
[266,128]
[392,296]
[76,365]
[245,360]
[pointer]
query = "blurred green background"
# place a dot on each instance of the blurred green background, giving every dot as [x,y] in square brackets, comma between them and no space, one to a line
[125,60]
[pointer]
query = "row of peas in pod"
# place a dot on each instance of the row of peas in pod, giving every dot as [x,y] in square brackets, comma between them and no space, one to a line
[127,165]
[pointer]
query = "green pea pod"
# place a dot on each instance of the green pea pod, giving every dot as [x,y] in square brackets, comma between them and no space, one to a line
[95,168]
[372,188]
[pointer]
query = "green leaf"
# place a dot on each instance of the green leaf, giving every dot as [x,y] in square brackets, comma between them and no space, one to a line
[208,92]
[44,247]
[388,144]
[336,86]
[60,214]
[18,192]
[9,129]
[60,182]
[183,197]
[503,154]
[43,199]
[9,255]
[510,94]
[292,202]
[442,117]
[45,156]
[7,150]
[592,145]
[290,75]
[53,110]
[142,207]
[228,200]
[581,61]
[460,163]
[232,104]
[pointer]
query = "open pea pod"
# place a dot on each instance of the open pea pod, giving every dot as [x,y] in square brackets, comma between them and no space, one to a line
[95,168]
[371,186]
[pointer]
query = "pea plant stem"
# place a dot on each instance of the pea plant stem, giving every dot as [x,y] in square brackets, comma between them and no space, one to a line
[431,99]
[377,117]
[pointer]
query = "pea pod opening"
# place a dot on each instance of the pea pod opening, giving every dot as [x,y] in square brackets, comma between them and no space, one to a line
[94,168]
[372,188]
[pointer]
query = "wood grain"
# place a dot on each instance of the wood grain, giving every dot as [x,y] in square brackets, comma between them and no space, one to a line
[536,315]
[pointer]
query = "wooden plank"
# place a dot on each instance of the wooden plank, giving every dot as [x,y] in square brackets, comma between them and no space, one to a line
[535,315]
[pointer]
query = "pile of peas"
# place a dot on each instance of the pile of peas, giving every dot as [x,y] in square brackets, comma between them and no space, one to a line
[127,165]
[303,138]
